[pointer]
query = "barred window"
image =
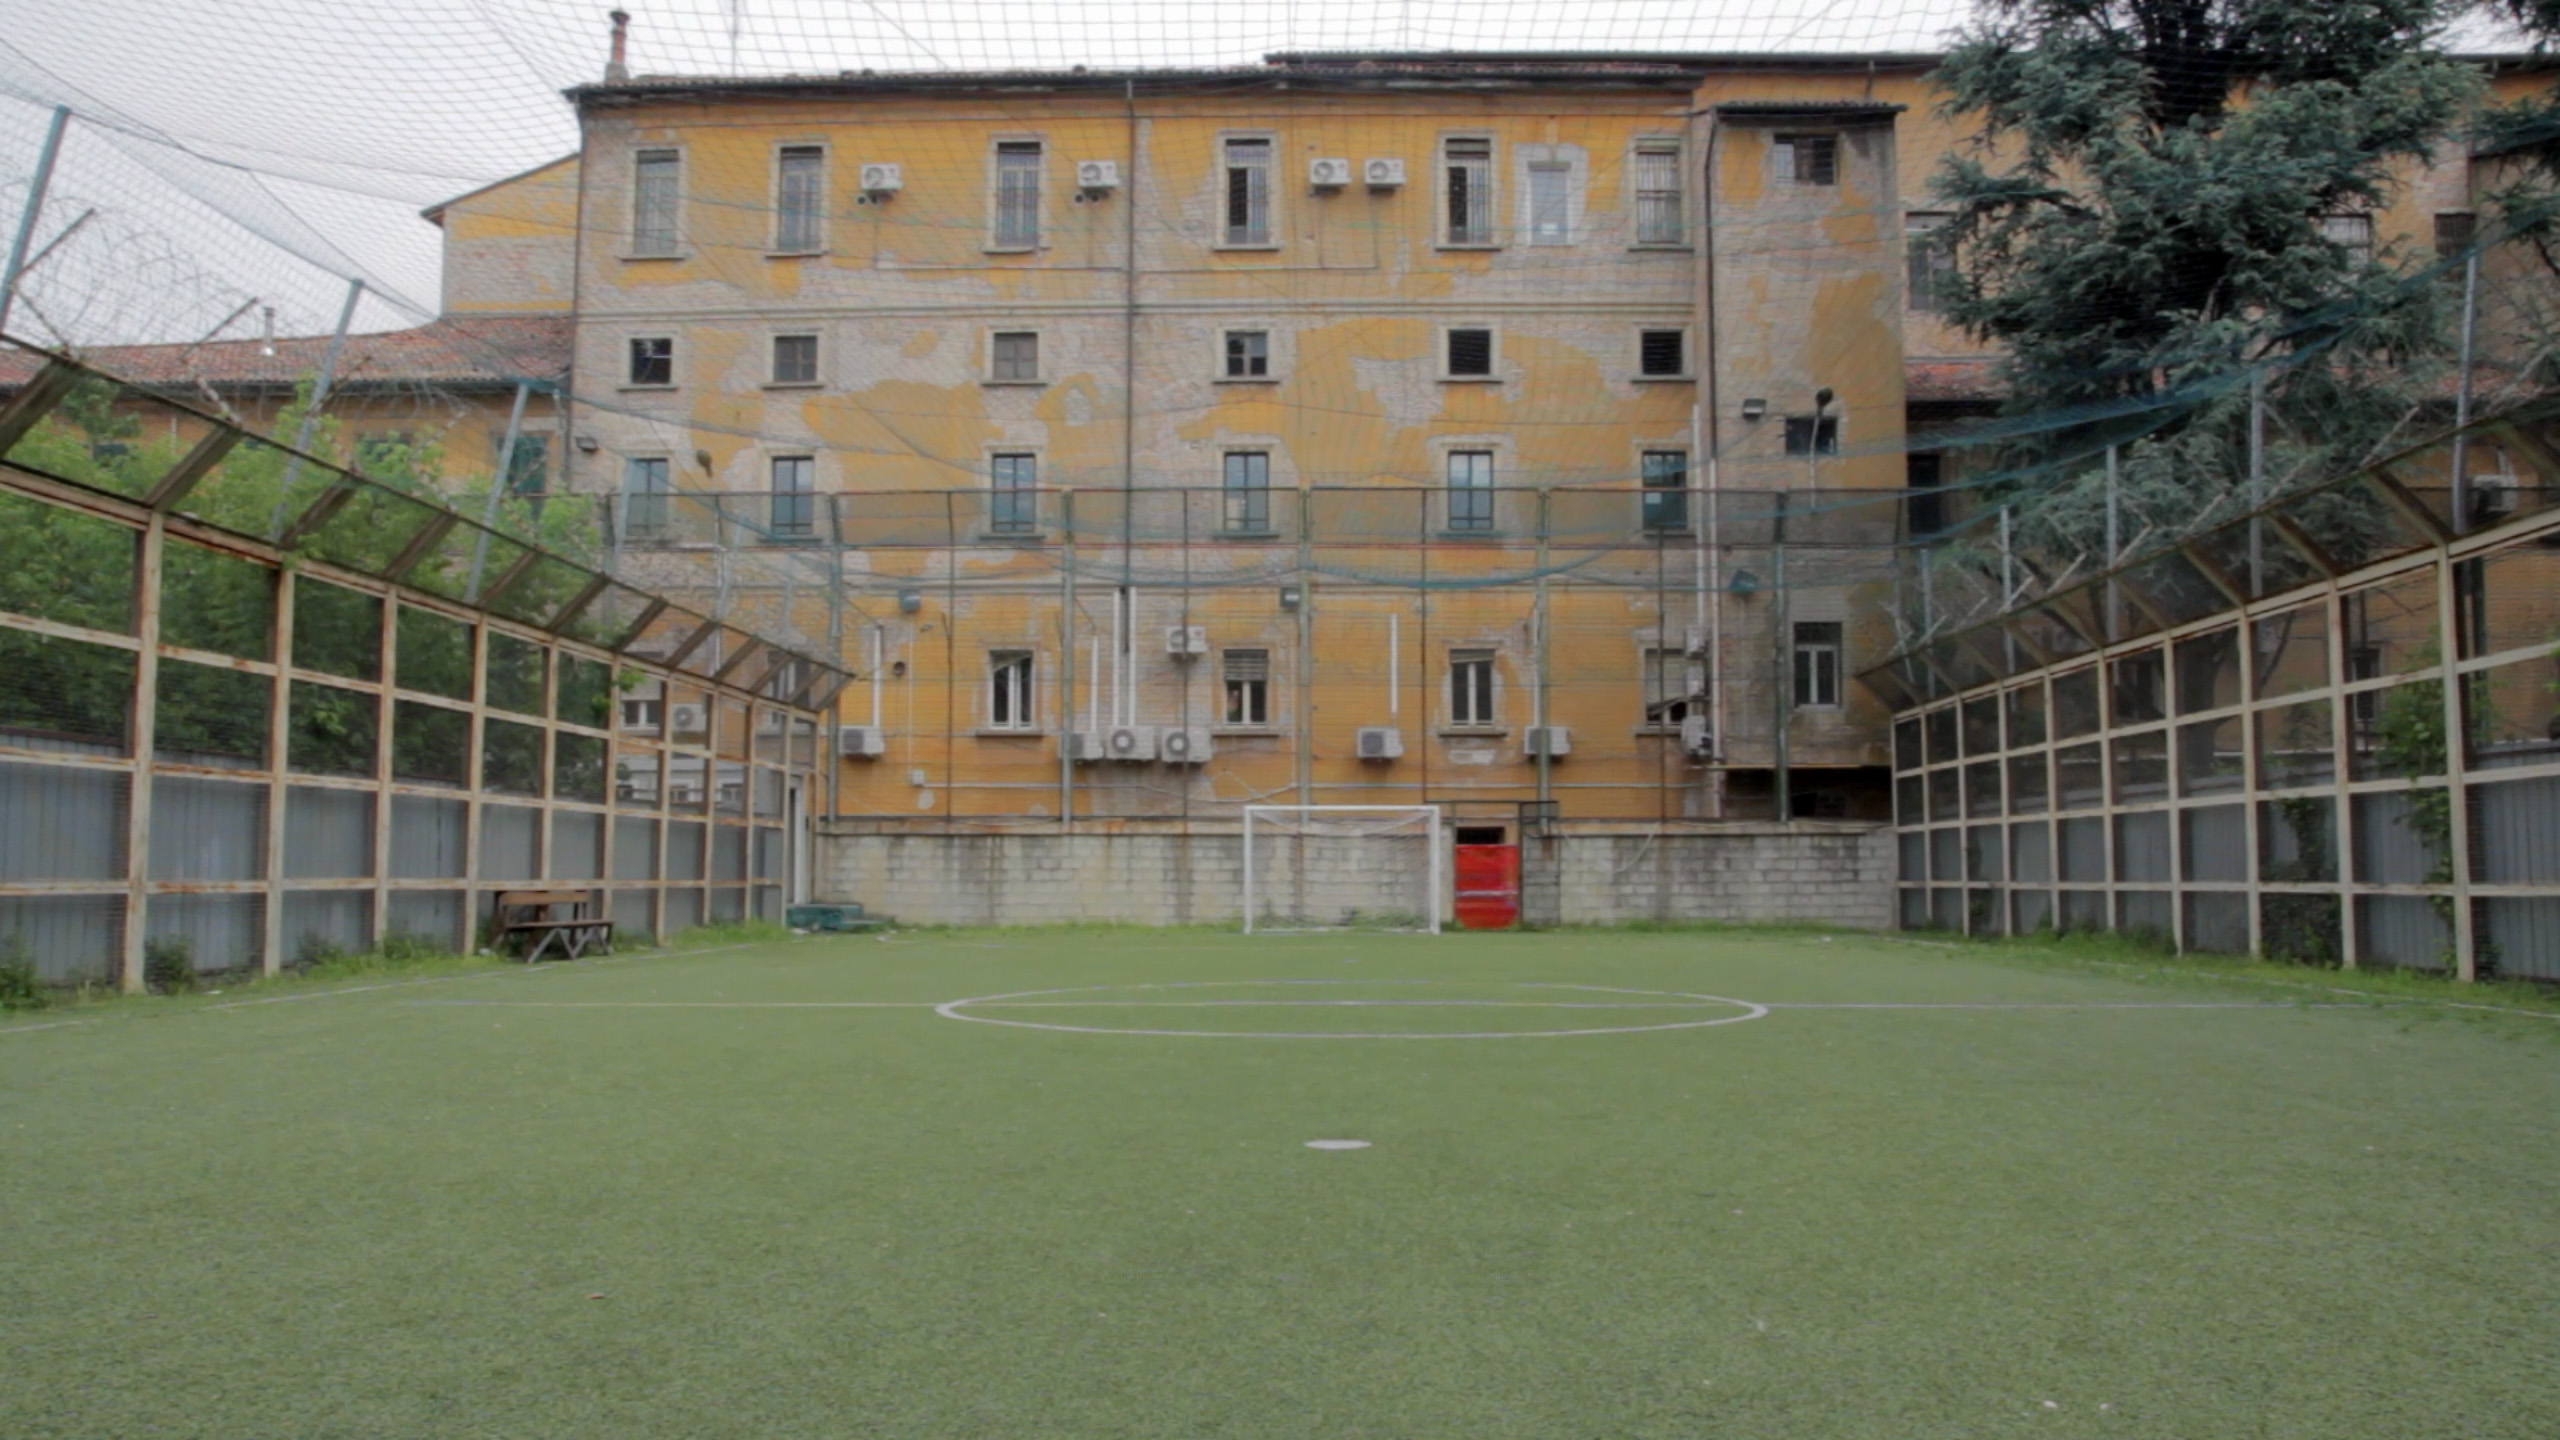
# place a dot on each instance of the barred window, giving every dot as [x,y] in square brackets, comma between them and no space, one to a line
[1470,352]
[1808,159]
[799,198]
[1663,353]
[1018,194]
[1550,207]
[1248,192]
[656,199]
[1469,167]
[1658,217]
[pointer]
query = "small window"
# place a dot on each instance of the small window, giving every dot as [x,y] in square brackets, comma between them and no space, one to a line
[2453,233]
[1818,664]
[1248,192]
[656,200]
[645,486]
[799,199]
[1470,352]
[1675,687]
[1470,489]
[1015,355]
[1018,194]
[1663,354]
[2351,233]
[794,506]
[1808,159]
[1471,689]
[1009,690]
[795,359]
[1923,475]
[1550,208]
[1469,167]
[1931,259]
[1658,217]
[1248,681]
[1012,507]
[1808,436]
[1248,354]
[653,360]
[1666,491]
[1247,490]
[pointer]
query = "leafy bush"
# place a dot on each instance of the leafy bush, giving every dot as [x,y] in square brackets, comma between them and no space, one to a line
[19,988]
[169,964]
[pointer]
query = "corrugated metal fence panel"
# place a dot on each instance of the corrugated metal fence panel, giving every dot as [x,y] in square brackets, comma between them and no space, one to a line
[685,845]
[2526,934]
[326,919]
[207,830]
[768,854]
[635,848]
[2388,852]
[729,853]
[74,939]
[426,838]
[2516,832]
[2142,851]
[684,910]
[629,912]
[2218,850]
[434,916]
[328,834]
[508,835]
[2402,930]
[225,932]
[577,846]
[2219,923]
[59,823]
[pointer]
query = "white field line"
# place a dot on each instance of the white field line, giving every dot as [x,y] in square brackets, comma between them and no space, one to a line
[682,1004]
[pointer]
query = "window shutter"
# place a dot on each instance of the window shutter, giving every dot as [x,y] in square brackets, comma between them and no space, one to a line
[1470,352]
[1663,353]
[1248,666]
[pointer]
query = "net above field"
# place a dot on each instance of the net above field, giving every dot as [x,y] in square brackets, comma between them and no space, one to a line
[1341,867]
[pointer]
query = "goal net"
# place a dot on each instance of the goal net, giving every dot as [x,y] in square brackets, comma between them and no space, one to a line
[1341,867]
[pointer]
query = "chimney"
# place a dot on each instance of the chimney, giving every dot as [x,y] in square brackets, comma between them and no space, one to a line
[617,71]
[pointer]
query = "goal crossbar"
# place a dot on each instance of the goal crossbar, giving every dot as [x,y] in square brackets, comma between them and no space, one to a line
[1379,867]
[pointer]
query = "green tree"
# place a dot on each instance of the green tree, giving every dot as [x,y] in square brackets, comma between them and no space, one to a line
[2142,221]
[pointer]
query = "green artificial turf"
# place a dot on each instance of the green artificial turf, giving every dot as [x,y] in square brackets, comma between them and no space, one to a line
[702,1195]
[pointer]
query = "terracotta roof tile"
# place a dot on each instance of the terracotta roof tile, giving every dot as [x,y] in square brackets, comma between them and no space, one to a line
[494,350]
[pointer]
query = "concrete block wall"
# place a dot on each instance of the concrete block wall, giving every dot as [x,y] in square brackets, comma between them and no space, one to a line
[1815,872]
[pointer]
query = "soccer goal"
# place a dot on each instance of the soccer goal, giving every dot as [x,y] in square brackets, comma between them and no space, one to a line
[1341,867]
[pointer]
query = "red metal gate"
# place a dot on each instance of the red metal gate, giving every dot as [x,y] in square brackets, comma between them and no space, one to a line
[1488,886]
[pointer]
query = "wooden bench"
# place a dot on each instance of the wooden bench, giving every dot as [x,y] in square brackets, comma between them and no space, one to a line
[529,918]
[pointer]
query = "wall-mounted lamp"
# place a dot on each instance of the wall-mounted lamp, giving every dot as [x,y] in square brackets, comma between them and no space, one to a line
[910,601]
[1821,399]
[1743,583]
[703,459]
[1755,409]
[586,444]
[1291,597]
[898,669]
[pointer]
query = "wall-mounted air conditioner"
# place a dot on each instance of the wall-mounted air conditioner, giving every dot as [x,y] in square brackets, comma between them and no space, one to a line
[1328,174]
[685,720]
[2493,495]
[1135,744]
[862,742]
[1188,747]
[1694,738]
[1185,641]
[1084,746]
[880,181]
[1380,742]
[1553,741]
[1382,174]
[1097,174]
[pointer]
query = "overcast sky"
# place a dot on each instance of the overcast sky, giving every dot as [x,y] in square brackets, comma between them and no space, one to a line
[239,148]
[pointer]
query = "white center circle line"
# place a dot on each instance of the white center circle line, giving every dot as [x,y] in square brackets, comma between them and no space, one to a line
[955,1010]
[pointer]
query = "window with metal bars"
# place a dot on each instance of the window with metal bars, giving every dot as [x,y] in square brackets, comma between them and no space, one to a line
[1247,492]
[1014,355]
[653,360]
[1470,489]
[1018,194]
[1658,217]
[1248,682]
[1248,192]
[1807,159]
[794,506]
[795,359]
[1666,491]
[1009,690]
[1662,354]
[1550,204]
[1470,353]
[799,199]
[1013,504]
[1471,689]
[1468,165]
[656,202]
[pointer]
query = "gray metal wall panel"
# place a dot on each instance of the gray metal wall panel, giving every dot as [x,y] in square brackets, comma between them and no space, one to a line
[507,842]
[337,919]
[2218,923]
[434,916]
[207,830]
[328,834]
[729,852]
[59,823]
[74,939]
[2516,829]
[2084,854]
[226,932]
[629,912]
[2401,930]
[2142,849]
[2218,847]
[686,844]
[2526,933]
[577,846]
[426,838]
[635,848]
[684,910]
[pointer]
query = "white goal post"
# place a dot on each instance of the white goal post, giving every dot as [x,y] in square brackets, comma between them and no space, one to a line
[1341,867]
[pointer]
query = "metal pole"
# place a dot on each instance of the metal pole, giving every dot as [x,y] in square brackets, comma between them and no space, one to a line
[1067,662]
[36,188]
[499,484]
[1546,741]
[2115,547]
[2257,482]
[319,398]
[1781,683]
[2462,396]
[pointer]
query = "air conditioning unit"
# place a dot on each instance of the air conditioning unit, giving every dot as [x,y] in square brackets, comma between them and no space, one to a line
[684,795]
[1135,744]
[685,720]
[1553,741]
[1084,746]
[1694,738]
[1328,174]
[1380,742]
[1382,174]
[1097,174]
[878,180]
[1188,747]
[2493,496]
[862,742]
[1186,641]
